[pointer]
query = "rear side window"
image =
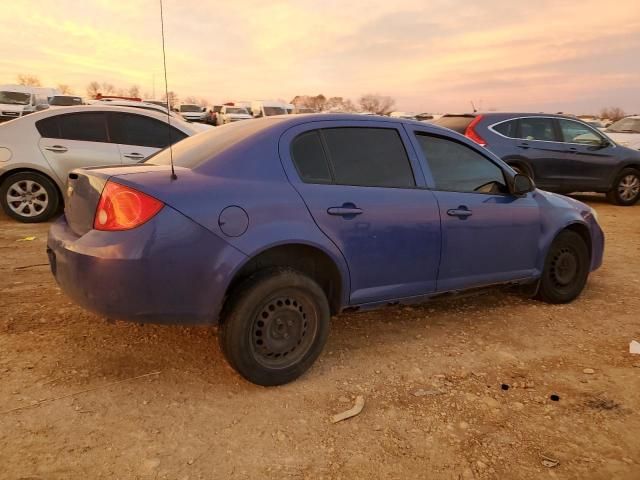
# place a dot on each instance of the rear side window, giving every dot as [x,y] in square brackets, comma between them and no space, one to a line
[457,123]
[48,127]
[87,127]
[535,128]
[130,129]
[508,129]
[309,159]
[458,168]
[370,157]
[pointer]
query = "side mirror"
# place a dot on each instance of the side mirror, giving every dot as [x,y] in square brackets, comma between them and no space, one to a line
[522,185]
[42,106]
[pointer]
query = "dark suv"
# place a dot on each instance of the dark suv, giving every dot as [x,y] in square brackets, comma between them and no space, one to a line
[562,154]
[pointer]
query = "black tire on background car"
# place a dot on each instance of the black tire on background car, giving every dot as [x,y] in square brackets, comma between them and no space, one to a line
[625,190]
[274,326]
[29,197]
[566,269]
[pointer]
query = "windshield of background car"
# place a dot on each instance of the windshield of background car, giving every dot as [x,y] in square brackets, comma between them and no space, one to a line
[65,101]
[190,108]
[626,125]
[193,151]
[237,110]
[457,123]
[269,111]
[15,98]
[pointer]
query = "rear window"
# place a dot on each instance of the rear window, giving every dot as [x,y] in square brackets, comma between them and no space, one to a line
[457,123]
[508,129]
[87,127]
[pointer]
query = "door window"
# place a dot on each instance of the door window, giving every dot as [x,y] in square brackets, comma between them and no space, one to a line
[143,131]
[309,159]
[536,128]
[87,127]
[368,157]
[574,132]
[508,129]
[457,168]
[48,127]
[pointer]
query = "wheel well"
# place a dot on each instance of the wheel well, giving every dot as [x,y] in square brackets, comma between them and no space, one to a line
[311,261]
[583,231]
[5,175]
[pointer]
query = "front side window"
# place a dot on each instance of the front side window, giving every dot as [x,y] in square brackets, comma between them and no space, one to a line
[130,129]
[87,127]
[368,157]
[536,128]
[574,132]
[458,168]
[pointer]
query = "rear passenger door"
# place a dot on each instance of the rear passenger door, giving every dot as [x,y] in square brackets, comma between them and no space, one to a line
[488,235]
[75,140]
[364,190]
[140,136]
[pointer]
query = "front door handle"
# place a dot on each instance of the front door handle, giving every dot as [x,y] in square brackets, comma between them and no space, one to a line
[523,145]
[134,156]
[56,148]
[460,212]
[346,210]
[572,150]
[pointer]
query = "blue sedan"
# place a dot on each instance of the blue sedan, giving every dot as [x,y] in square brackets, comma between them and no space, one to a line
[271,226]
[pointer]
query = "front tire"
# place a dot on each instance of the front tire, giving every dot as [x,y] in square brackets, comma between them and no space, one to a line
[29,197]
[566,269]
[275,326]
[626,188]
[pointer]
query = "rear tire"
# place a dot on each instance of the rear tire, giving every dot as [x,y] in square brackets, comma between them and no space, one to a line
[29,197]
[566,269]
[626,188]
[275,326]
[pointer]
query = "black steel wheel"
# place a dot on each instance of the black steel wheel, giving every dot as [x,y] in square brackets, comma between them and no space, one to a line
[275,326]
[566,269]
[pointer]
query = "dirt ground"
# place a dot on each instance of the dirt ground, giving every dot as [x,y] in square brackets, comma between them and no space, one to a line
[432,377]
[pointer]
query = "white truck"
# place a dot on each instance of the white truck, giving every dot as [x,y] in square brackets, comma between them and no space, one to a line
[232,113]
[19,100]
[268,108]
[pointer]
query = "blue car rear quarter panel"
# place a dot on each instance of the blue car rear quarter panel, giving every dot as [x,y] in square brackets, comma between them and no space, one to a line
[169,270]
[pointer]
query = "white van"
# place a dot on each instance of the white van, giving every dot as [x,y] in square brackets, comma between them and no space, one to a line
[267,108]
[19,100]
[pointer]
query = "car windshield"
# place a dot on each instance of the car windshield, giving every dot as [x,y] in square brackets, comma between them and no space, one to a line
[15,98]
[64,101]
[269,111]
[237,110]
[190,108]
[457,123]
[626,125]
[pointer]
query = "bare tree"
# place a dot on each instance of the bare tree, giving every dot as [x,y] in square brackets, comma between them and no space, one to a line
[107,88]
[612,113]
[378,104]
[29,80]
[65,89]
[172,99]
[93,89]
[134,91]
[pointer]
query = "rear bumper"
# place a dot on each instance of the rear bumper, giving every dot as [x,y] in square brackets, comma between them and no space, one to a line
[169,270]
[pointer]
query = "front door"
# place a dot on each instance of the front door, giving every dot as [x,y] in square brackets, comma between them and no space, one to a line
[488,235]
[360,185]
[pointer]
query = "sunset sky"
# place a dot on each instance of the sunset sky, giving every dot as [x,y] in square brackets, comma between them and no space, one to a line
[437,55]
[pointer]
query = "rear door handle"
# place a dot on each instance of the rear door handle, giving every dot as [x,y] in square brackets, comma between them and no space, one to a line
[344,211]
[56,148]
[572,149]
[134,156]
[460,212]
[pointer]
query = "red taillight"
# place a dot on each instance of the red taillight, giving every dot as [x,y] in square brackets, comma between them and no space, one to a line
[124,208]
[471,133]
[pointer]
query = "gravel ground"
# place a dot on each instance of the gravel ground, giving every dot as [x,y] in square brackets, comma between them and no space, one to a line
[455,389]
